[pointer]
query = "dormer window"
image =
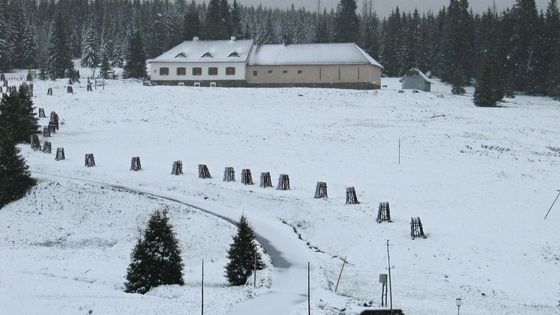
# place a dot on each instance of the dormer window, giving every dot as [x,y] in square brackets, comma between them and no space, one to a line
[234,54]
[207,55]
[181,55]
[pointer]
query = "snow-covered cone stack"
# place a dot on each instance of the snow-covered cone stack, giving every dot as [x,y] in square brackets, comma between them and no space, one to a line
[177,168]
[46,132]
[321,190]
[229,174]
[203,171]
[266,180]
[70,90]
[47,147]
[246,177]
[135,164]
[49,91]
[351,198]
[42,113]
[35,144]
[283,182]
[384,212]
[416,229]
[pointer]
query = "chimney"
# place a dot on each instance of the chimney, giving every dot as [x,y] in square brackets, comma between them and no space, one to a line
[195,39]
[233,38]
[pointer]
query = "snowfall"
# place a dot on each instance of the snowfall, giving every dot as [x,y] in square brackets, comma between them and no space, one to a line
[481,180]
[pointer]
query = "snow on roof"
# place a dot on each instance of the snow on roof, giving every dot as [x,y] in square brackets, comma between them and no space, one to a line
[208,51]
[310,54]
[417,71]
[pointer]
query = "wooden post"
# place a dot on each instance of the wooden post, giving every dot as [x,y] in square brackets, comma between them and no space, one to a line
[340,274]
[351,198]
[177,168]
[89,160]
[35,144]
[202,290]
[49,91]
[229,174]
[399,151]
[266,180]
[308,288]
[46,131]
[246,177]
[47,147]
[321,190]
[203,171]
[70,90]
[135,164]
[390,283]
[60,154]
[283,182]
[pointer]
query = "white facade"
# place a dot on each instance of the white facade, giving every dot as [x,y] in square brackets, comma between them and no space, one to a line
[190,69]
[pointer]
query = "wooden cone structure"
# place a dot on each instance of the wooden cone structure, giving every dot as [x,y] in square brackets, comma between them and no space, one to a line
[2,77]
[42,113]
[246,177]
[351,198]
[49,91]
[266,180]
[47,147]
[177,168]
[70,90]
[283,182]
[54,120]
[229,174]
[203,171]
[89,88]
[416,229]
[35,144]
[135,164]
[384,212]
[46,132]
[321,190]
[89,160]
[51,127]
[60,154]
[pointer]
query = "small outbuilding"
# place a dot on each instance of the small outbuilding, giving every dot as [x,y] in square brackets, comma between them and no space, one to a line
[414,79]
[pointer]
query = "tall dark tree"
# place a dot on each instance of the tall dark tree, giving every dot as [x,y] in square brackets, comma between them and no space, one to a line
[236,28]
[489,90]
[28,122]
[17,117]
[156,259]
[525,18]
[60,57]
[323,33]
[347,23]
[390,54]
[191,24]
[242,254]
[15,179]
[135,66]
[551,38]
[6,46]
[217,26]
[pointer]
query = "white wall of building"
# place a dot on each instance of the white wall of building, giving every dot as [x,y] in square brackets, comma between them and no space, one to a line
[221,76]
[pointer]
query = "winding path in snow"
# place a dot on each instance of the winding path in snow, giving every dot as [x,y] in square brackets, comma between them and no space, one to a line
[288,254]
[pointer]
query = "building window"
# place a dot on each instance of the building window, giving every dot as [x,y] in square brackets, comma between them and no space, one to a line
[300,72]
[207,55]
[269,71]
[181,71]
[213,71]
[255,73]
[164,71]
[285,71]
[234,54]
[230,71]
[196,71]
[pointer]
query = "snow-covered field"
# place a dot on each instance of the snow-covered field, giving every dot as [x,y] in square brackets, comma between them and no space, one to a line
[481,180]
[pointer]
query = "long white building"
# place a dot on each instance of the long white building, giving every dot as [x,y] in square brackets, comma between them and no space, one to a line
[242,63]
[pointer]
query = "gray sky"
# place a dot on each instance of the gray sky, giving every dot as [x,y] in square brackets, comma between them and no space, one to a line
[383,7]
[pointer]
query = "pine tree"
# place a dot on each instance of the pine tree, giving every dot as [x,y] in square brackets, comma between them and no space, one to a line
[156,259]
[236,29]
[105,67]
[322,35]
[347,24]
[28,125]
[6,46]
[60,59]
[551,38]
[135,66]
[489,90]
[525,18]
[15,179]
[217,20]
[89,54]
[390,54]
[242,254]
[191,24]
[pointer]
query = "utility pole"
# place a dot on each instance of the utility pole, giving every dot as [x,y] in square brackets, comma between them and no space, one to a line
[308,289]
[390,283]
[340,274]
[202,290]
[399,151]
[552,205]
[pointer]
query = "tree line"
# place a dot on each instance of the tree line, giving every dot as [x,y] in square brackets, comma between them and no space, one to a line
[514,49]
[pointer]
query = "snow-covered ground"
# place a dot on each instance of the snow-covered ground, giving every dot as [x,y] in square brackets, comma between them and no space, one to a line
[481,179]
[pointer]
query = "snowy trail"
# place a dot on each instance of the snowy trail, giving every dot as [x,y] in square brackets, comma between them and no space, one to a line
[288,254]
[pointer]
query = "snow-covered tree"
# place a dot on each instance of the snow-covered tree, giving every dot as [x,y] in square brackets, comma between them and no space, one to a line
[89,48]
[489,90]
[347,24]
[135,66]
[242,254]
[156,259]
[60,59]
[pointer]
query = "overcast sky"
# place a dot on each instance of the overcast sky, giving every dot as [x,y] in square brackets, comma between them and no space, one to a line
[383,7]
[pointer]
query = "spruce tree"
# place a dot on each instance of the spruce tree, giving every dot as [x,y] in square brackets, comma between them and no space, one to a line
[28,125]
[60,57]
[217,18]
[15,179]
[135,66]
[489,90]
[241,255]
[105,67]
[551,38]
[89,54]
[236,29]
[156,259]
[191,24]
[11,118]
[6,46]
[524,29]
[347,24]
